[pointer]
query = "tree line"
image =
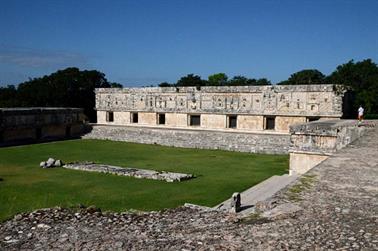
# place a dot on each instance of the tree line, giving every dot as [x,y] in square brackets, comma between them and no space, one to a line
[218,79]
[65,88]
[72,87]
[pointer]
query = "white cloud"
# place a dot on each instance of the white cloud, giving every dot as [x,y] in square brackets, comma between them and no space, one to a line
[39,58]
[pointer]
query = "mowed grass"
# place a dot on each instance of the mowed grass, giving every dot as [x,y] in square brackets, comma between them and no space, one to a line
[24,186]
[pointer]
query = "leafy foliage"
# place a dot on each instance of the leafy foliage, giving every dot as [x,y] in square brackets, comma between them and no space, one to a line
[8,96]
[362,79]
[218,79]
[305,77]
[65,88]
[191,80]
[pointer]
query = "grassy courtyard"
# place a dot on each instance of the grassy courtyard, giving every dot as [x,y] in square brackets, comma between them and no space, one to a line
[24,186]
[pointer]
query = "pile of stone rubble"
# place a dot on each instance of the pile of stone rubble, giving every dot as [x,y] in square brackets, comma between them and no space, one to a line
[50,163]
[123,171]
[131,172]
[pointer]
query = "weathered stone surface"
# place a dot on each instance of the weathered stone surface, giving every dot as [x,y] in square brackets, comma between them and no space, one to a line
[131,172]
[232,141]
[58,163]
[339,212]
[314,142]
[324,136]
[289,100]
[50,162]
[282,211]
[36,124]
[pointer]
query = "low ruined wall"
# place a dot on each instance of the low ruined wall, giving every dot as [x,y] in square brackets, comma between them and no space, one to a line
[36,124]
[314,142]
[203,139]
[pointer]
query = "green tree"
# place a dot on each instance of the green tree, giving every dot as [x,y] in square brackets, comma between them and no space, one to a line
[238,81]
[241,80]
[362,79]
[165,84]
[218,79]
[8,96]
[305,77]
[262,81]
[65,88]
[191,80]
[115,85]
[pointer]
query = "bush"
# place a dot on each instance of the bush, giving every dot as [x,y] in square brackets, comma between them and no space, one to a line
[371,116]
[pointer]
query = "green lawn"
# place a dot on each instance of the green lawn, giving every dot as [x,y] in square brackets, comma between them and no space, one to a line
[25,186]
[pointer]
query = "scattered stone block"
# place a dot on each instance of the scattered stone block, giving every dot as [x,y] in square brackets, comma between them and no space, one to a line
[58,163]
[131,172]
[50,162]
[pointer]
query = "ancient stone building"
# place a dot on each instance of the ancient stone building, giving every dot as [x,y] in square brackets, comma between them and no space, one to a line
[26,125]
[238,118]
[237,108]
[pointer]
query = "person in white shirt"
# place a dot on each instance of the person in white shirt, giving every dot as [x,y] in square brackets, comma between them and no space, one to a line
[360,113]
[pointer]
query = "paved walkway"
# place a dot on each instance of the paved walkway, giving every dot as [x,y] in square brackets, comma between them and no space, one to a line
[339,211]
[260,192]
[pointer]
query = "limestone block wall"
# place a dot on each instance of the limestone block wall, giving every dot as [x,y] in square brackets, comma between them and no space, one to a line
[195,138]
[301,162]
[248,122]
[16,134]
[313,142]
[215,121]
[283,123]
[122,118]
[251,104]
[147,118]
[18,125]
[101,117]
[176,119]
[293,100]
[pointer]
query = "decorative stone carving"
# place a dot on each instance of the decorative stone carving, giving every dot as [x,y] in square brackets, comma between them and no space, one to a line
[303,100]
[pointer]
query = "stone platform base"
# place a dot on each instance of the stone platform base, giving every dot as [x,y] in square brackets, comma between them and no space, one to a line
[271,143]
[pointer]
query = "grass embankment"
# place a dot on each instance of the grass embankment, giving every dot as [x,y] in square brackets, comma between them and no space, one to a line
[24,186]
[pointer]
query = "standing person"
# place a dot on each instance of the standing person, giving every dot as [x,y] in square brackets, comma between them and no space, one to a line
[360,113]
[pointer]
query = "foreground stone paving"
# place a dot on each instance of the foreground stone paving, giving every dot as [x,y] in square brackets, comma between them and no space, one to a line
[339,212]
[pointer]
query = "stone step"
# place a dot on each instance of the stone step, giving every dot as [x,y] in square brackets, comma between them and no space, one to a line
[259,192]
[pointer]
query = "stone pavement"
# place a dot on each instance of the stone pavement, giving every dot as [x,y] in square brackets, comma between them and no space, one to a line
[339,211]
[260,192]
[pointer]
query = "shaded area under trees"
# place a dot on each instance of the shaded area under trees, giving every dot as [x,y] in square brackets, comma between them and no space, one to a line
[65,88]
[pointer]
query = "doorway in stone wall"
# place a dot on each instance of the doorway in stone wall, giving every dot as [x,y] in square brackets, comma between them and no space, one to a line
[68,131]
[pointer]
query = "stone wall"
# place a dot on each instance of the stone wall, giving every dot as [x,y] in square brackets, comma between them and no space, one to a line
[25,125]
[273,143]
[252,105]
[312,143]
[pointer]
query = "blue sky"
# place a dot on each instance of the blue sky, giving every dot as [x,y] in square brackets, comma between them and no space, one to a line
[145,42]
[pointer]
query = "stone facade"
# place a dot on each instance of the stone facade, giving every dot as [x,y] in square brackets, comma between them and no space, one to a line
[23,125]
[274,143]
[314,142]
[246,108]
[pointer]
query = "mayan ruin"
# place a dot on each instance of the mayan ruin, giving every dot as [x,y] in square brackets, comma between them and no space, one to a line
[189,125]
[249,108]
